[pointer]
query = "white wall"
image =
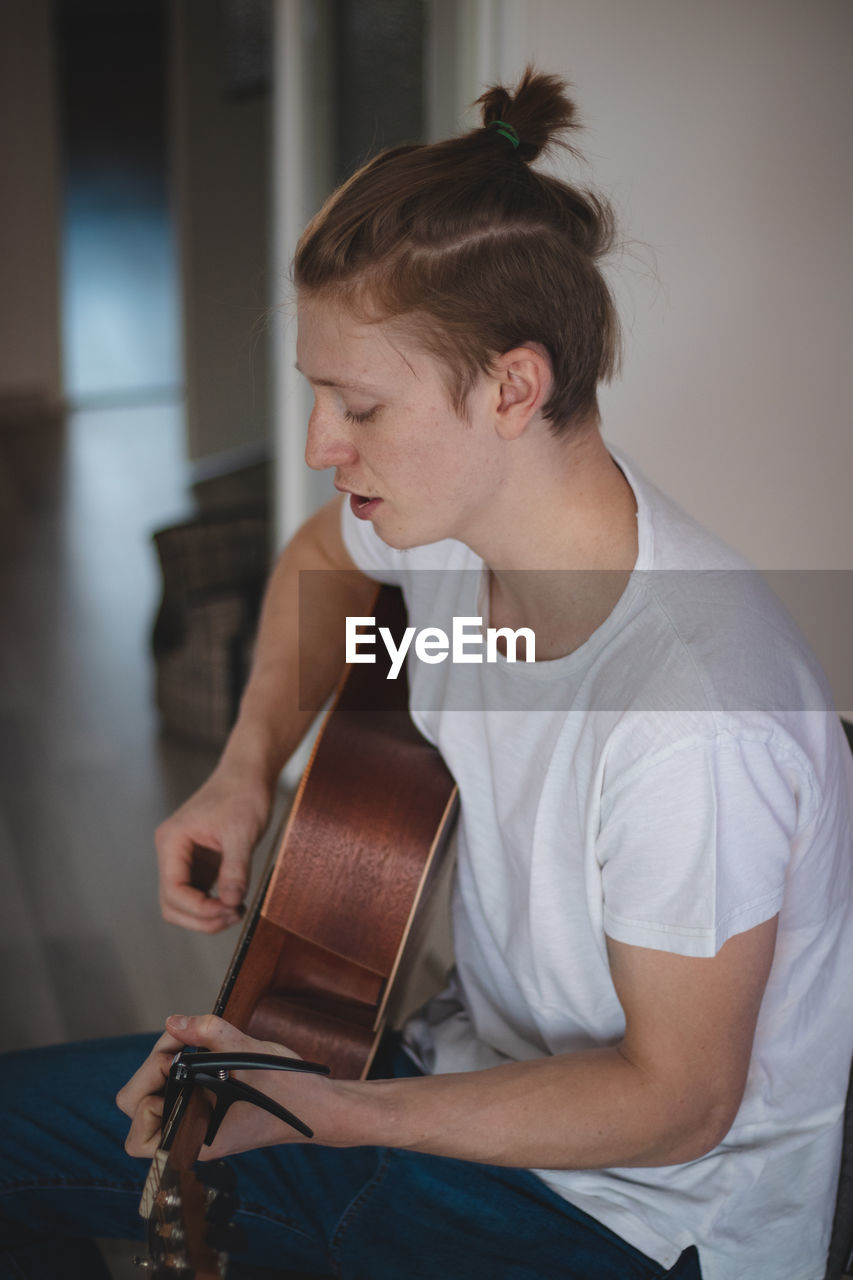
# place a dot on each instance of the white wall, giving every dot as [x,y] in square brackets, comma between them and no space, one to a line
[720,130]
[722,133]
[220,167]
[301,179]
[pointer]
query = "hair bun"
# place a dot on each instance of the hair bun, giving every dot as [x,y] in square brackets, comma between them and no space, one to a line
[539,111]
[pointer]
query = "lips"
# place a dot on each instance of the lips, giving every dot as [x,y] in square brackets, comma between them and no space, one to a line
[363,506]
[353,494]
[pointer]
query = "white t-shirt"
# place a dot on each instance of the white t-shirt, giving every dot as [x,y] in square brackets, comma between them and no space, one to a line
[677,779]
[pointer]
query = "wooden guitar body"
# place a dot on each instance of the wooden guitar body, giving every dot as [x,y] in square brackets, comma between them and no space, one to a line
[343,907]
[355,867]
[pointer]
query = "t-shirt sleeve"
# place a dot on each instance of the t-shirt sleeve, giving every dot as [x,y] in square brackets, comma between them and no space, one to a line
[694,843]
[369,553]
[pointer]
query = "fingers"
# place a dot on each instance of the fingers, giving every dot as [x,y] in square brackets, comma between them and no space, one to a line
[151,1076]
[144,1134]
[180,902]
[209,1032]
[233,876]
[201,916]
[141,1098]
[209,838]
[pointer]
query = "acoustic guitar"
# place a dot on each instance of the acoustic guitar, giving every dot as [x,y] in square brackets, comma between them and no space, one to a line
[323,955]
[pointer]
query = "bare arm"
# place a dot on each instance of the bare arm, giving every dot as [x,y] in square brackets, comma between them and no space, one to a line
[666,1094]
[228,813]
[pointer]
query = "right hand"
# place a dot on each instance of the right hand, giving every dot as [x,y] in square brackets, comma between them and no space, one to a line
[227,814]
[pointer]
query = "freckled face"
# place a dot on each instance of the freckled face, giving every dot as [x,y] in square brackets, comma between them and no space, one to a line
[383,420]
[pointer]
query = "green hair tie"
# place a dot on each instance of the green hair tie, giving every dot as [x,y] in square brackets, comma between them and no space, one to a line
[507,131]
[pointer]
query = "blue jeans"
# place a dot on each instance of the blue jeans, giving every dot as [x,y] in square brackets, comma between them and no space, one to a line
[361,1214]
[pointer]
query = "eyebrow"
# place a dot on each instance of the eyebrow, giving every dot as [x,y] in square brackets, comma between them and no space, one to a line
[330,382]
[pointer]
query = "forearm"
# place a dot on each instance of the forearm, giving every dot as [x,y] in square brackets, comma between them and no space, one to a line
[593,1109]
[666,1094]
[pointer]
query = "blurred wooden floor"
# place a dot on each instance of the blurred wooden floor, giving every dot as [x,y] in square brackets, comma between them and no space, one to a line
[84,776]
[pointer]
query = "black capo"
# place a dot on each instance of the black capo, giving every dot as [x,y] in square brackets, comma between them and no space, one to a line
[211,1071]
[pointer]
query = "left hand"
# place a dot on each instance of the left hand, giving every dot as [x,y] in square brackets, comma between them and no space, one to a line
[309,1096]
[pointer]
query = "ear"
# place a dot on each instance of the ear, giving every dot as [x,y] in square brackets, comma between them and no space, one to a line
[524,379]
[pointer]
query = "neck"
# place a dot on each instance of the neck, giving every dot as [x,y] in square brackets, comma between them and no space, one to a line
[562,541]
[564,504]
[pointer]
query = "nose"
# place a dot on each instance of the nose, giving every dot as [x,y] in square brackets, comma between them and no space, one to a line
[327,444]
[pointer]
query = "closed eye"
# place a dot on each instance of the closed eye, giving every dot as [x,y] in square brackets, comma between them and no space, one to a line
[366,416]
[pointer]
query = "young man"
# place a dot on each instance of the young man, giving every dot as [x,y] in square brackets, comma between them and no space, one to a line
[639,1066]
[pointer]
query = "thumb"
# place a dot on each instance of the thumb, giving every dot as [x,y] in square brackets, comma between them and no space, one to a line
[208,1032]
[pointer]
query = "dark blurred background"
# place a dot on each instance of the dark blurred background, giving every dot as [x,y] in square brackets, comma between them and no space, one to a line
[119,281]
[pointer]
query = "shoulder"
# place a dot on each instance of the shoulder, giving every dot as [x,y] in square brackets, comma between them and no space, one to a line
[705,630]
[710,825]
